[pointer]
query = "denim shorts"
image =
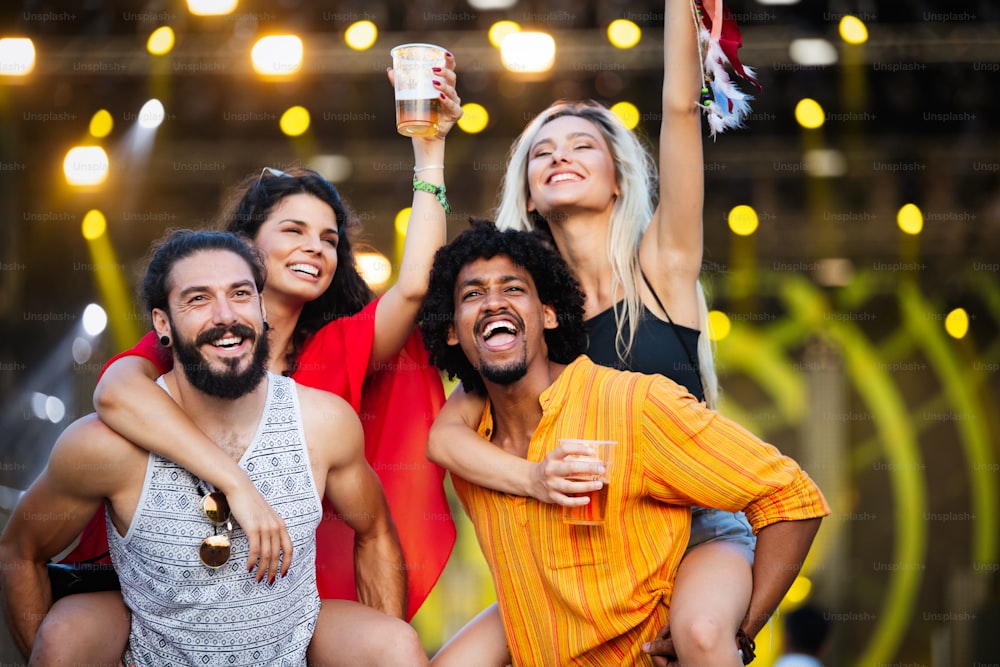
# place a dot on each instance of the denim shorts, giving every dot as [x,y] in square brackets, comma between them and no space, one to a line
[709,525]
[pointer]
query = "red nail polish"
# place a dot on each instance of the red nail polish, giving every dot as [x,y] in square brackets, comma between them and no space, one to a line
[448,54]
[436,82]
[443,97]
[435,69]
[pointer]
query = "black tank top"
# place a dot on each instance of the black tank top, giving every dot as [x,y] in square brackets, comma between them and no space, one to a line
[657,348]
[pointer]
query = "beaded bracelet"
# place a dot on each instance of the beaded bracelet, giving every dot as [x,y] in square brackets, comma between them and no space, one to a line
[437,190]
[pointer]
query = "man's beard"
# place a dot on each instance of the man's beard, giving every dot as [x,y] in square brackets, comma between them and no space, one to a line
[505,374]
[230,383]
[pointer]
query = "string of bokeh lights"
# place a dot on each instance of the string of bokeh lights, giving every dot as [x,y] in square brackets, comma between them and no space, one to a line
[522,51]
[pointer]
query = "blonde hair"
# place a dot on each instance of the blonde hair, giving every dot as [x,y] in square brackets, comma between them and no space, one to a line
[637,178]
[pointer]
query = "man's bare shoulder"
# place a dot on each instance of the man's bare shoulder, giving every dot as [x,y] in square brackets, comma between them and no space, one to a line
[316,402]
[89,434]
[330,422]
[88,445]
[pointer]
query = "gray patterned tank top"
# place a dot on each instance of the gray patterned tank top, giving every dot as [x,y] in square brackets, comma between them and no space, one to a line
[184,613]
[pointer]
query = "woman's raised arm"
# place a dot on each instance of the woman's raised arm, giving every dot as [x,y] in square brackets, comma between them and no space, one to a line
[455,444]
[671,250]
[397,311]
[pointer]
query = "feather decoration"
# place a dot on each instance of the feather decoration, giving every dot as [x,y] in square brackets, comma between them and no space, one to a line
[725,105]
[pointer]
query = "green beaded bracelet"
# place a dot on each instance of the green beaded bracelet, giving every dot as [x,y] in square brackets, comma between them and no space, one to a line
[437,190]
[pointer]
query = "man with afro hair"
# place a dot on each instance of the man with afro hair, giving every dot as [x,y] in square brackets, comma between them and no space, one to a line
[504,314]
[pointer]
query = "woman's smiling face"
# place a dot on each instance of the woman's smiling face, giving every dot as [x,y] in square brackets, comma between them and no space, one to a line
[570,167]
[299,240]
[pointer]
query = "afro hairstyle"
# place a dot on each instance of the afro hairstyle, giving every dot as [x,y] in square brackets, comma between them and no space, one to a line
[553,280]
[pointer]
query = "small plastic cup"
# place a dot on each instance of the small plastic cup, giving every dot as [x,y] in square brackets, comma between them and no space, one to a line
[418,102]
[594,512]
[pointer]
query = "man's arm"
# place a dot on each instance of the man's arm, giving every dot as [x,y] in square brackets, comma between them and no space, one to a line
[334,432]
[693,455]
[781,550]
[49,515]
[696,456]
[729,468]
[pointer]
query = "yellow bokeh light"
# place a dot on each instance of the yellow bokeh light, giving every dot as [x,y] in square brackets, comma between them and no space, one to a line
[294,121]
[624,34]
[361,35]
[94,225]
[86,165]
[957,323]
[719,325]
[474,118]
[403,221]
[743,220]
[528,52]
[17,56]
[500,30]
[374,268]
[628,113]
[101,124]
[211,7]
[910,219]
[853,30]
[799,590]
[160,41]
[809,114]
[277,55]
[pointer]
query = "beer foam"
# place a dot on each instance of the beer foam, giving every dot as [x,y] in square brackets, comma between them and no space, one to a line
[426,91]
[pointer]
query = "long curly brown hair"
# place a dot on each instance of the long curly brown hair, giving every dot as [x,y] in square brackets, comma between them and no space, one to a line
[348,293]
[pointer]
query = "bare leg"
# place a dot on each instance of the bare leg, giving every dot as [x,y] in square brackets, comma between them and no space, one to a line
[350,634]
[710,598]
[481,642]
[85,628]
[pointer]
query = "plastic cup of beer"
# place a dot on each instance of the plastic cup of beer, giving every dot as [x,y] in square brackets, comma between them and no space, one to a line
[417,100]
[593,513]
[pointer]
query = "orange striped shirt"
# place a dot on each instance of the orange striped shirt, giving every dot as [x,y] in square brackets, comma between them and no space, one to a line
[590,595]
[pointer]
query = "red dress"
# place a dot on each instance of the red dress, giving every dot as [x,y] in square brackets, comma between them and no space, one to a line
[397,405]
